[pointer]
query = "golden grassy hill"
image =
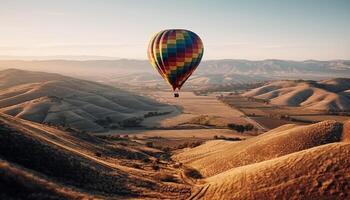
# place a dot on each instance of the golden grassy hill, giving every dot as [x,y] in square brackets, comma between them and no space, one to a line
[292,161]
[330,94]
[218,156]
[318,173]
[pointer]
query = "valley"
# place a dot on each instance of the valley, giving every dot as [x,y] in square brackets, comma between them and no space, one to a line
[150,145]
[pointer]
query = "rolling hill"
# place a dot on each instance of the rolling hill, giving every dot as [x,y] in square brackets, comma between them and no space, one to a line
[318,173]
[290,162]
[224,155]
[41,162]
[332,94]
[68,102]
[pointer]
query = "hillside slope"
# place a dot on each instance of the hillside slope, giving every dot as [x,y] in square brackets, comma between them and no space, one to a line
[322,95]
[64,101]
[317,173]
[218,156]
[290,162]
[70,164]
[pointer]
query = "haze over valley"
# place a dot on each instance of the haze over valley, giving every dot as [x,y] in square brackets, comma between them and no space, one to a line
[210,73]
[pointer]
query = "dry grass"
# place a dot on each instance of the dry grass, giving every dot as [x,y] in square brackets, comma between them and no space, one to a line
[318,173]
[95,166]
[192,107]
[78,104]
[322,95]
[218,156]
[19,183]
[290,162]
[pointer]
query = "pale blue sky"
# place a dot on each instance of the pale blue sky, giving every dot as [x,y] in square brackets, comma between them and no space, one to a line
[246,29]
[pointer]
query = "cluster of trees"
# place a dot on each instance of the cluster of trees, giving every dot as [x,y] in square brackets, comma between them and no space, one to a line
[104,122]
[193,173]
[155,113]
[180,146]
[220,137]
[241,128]
[265,101]
[115,137]
[189,144]
[108,122]
[338,112]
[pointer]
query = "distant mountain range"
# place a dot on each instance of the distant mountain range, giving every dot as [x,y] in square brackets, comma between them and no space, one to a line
[211,72]
[58,57]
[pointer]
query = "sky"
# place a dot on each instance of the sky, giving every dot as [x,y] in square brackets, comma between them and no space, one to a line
[230,29]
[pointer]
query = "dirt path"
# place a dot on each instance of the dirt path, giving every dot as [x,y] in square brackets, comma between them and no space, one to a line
[200,193]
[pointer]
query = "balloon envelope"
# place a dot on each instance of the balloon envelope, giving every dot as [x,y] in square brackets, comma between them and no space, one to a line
[175,54]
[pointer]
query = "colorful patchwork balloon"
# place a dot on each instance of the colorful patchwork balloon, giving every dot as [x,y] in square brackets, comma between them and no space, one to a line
[175,54]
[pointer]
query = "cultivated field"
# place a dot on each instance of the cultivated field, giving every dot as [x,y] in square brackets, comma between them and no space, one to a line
[272,116]
[191,106]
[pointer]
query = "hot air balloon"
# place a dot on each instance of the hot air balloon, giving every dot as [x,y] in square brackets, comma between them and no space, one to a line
[175,54]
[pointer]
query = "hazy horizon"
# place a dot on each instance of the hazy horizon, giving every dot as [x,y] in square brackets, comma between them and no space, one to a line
[110,58]
[252,30]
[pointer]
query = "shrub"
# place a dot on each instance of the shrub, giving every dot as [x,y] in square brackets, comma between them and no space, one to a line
[166,149]
[98,154]
[135,137]
[241,128]
[227,138]
[195,144]
[136,166]
[249,127]
[177,165]
[131,122]
[193,173]
[146,160]
[149,144]
[167,177]
[155,167]
[189,144]
[166,156]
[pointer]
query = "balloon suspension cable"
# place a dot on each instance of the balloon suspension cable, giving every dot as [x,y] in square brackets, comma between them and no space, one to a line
[176,93]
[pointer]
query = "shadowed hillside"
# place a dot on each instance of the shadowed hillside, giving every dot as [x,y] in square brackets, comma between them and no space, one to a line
[55,163]
[68,102]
